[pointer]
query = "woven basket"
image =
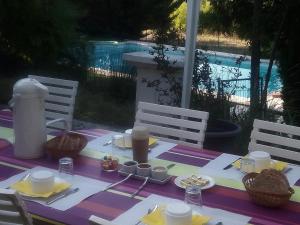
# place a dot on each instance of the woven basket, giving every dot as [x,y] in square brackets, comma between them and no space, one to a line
[66,145]
[264,198]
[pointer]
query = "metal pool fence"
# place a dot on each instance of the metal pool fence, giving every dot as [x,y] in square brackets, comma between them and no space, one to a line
[238,90]
[106,59]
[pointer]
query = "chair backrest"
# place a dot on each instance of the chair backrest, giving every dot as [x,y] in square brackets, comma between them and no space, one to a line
[60,101]
[279,140]
[12,210]
[94,220]
[178,125]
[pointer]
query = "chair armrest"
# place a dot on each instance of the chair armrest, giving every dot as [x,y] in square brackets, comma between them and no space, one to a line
[59,120]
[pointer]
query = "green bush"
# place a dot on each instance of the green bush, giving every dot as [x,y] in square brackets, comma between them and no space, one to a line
[36,31]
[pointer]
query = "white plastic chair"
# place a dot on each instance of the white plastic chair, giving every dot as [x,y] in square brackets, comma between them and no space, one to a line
[94,220]
[12,210]
[279,140]
[173,124]
[60,101]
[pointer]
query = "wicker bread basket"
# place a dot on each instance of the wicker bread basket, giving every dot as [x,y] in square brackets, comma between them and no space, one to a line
[65,145]
[265,198]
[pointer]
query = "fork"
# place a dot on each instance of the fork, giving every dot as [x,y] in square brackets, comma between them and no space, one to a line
[25,177]
[149,211]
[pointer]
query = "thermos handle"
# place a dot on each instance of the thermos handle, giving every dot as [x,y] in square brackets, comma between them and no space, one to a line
[11,102]
[59,120]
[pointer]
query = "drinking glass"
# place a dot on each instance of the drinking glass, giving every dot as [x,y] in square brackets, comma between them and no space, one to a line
[117,142]
[193,196]
[247,165]
[140,144]
[65,168]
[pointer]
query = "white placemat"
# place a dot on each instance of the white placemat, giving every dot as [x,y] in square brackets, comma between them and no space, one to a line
[133,215]
[97,144]
[87,187]
[215,168]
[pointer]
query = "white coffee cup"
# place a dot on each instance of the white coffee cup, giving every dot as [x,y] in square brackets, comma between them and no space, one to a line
[262,160]
[128,131]
[178,214]
[42,181]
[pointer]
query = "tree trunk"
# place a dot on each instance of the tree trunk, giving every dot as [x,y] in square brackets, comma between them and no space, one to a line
[255,59]
[272,57]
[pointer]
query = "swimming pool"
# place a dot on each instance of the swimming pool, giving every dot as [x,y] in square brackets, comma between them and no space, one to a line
[107,55]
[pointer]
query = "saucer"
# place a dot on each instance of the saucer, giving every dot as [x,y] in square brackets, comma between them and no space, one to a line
[25,189]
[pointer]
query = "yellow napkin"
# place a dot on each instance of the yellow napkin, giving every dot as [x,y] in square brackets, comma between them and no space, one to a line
[152,141]
[24,187]
[157,218]
[277,165]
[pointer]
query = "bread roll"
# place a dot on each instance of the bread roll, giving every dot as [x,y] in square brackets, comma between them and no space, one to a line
[271,181]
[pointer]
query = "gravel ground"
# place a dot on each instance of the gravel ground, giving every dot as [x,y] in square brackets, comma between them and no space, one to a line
[79,124]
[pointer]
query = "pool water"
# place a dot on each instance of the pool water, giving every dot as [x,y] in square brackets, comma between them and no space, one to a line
[107,55]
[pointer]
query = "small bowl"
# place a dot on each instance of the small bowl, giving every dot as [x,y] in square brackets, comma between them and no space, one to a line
[159,173]
[143,169]
[129,166]
[109,163]
[42,181]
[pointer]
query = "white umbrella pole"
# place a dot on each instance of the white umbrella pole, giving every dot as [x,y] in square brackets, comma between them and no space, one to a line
[193,8]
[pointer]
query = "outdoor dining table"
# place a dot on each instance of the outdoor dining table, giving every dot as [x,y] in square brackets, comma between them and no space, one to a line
[227,194]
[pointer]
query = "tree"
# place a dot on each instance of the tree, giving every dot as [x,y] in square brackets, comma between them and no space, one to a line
[126,19]
[289,62]
[279,38]
[255,43]
[257,21]
[206,16]
[35,31]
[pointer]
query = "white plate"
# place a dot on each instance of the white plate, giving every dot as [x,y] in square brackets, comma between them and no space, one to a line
[211,181]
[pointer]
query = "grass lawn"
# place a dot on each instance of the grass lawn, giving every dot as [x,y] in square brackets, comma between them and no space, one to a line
[103,109]
[222,43]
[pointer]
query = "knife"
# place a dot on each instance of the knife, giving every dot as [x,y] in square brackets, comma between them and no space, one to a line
[231,164]
[107,143]
[60,196]
[287,170]
[170,166]
[117,183]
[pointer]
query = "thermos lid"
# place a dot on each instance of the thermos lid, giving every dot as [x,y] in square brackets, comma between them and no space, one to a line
[29,88]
